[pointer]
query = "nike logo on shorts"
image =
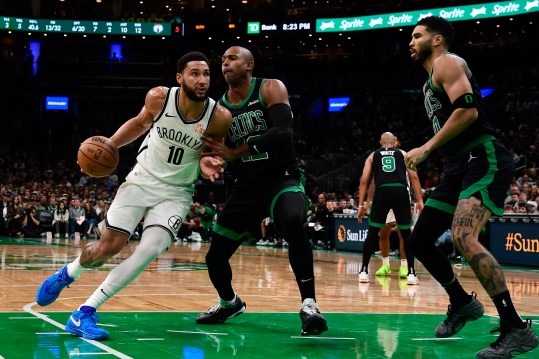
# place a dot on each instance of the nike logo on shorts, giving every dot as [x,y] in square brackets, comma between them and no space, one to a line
[306,280]
[167,115]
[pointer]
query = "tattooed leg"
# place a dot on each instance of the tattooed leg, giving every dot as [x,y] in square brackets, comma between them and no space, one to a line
[470,217]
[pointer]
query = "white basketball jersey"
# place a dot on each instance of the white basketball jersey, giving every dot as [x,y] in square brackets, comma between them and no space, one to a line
[172,147]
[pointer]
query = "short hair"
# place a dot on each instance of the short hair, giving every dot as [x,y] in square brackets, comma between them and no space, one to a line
[188,57]
[439,25]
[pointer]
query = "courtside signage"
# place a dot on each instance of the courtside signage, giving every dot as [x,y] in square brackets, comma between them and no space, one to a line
[514,241]
[457,13]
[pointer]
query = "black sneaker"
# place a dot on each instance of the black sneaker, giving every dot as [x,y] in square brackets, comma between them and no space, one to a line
[510,343]
[312,322]
[218,314]
[457,317]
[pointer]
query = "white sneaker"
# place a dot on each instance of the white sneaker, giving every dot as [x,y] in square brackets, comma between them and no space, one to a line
[363,277]
[260,242]
[412,279]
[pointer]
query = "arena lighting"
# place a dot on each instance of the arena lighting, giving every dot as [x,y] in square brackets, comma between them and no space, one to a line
[200,27]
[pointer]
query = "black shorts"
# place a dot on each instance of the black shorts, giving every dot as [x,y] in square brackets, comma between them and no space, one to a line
[396,198]
[485,172]
[252,201]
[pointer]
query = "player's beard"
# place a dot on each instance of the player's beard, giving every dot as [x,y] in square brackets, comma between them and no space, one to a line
[423,54]
[192,95]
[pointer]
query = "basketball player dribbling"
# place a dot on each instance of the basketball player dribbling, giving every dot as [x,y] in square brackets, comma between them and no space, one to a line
[159,188]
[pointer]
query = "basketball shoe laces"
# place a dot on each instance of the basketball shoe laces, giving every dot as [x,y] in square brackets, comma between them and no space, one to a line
[59,283]
[310,308]
[452,312]
[503,334]
[215,308]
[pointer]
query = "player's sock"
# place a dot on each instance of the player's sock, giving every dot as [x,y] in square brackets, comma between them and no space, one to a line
[506,310]
[74,269]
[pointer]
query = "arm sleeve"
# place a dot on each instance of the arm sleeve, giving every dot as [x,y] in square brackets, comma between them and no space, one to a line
[280,122]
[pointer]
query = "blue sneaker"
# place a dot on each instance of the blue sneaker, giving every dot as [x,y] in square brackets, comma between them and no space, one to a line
[50,289]
[84,325]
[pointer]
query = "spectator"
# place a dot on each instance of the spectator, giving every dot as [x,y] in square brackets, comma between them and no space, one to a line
[531,207]
[14,216]
[508,208]
[61,220]
[521,208]
[322,232]
[45,213]
[77,220]
[103,211]
[188,224]
[3,211]
[91,217]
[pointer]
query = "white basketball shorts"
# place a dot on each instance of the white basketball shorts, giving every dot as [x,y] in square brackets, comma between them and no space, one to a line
[144,197]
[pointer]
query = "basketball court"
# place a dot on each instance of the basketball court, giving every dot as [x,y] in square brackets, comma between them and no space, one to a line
[154,317]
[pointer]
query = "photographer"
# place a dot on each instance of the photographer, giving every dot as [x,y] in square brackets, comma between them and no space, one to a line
[30,224]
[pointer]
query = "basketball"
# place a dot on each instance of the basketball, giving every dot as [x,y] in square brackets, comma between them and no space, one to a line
[98,156]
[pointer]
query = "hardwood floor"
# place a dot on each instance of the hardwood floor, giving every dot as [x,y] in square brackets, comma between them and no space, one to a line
[155,315]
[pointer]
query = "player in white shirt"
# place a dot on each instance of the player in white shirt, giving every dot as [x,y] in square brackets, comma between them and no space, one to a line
[159,188]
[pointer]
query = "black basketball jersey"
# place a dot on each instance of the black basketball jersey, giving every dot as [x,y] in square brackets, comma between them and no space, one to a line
[250,119]
[439,108]
[388,167]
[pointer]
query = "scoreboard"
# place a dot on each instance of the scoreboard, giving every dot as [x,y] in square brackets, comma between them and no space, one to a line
[86,26]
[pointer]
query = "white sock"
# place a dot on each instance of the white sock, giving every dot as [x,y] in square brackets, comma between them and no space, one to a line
[74,269]
[103,293]
[385,260]
[404,262]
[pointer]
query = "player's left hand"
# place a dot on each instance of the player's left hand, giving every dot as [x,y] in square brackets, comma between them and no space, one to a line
[212,167]
[217,148]
[414,157]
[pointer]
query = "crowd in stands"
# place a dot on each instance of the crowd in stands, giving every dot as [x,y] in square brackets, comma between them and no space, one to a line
[39,169]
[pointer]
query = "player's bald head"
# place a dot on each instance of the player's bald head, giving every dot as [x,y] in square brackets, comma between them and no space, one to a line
[245,54]
[387,139]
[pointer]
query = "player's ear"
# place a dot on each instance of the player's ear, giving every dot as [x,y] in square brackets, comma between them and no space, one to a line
[179,77]
[250,65]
